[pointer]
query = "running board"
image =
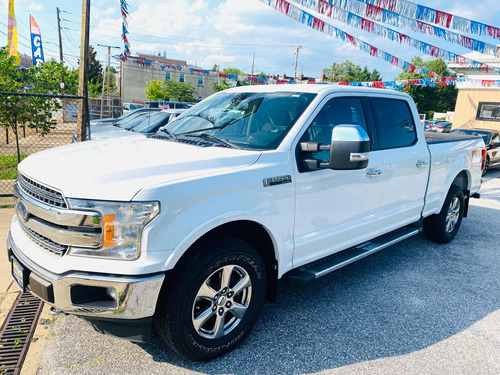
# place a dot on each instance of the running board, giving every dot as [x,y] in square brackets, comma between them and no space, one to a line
[341,259]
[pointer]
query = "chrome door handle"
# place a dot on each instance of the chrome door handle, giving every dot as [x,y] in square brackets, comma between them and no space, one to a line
[422,164]
[374,173]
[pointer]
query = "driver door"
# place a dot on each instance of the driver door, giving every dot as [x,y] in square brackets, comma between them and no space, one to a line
[335,209]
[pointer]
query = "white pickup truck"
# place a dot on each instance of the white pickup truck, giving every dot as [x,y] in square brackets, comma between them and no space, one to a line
[191,228]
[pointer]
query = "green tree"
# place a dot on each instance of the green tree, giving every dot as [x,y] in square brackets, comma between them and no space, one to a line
[96,73]
[375,76]
[48,78]
[95,68]
[430,99]
[364,76]
[18,111]
[180,91]
[170,90]
[234,71]
[346,71]
[155,90]
[222,85]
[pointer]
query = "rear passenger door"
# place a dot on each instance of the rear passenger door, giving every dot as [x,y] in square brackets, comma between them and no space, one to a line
[403,161]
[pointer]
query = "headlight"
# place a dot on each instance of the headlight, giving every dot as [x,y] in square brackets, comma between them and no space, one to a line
[121,224]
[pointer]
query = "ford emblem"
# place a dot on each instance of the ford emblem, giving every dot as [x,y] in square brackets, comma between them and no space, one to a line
[22,211]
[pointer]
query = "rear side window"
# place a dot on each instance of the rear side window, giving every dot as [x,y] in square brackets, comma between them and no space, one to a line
[394,126]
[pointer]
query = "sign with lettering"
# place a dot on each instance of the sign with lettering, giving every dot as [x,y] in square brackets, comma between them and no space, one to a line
[36,43]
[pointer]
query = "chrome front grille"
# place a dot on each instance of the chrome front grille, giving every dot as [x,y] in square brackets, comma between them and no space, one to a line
[41,193]
[46,220]
[45,242]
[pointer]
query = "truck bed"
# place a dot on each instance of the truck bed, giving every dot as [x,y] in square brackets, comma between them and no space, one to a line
[434,138]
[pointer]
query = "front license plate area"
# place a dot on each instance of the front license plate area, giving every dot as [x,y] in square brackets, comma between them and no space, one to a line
[20,275]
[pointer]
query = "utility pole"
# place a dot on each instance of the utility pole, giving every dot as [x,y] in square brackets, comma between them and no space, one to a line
[83,77]
[61,59]
[104,77]
[253,63]
[332,74]
[297,49]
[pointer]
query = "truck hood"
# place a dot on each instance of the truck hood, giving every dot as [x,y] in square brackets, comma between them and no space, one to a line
[117,169]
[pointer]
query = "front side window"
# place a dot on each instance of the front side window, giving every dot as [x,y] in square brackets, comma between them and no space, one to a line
[181,77]
[394,126]
[248,120]
[337,111]
[200,80]
[168,76]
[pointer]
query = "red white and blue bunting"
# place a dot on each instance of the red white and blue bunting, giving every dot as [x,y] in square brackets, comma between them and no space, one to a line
[395,19]
[126,45]
[437,17]
[354,20]
[308,19]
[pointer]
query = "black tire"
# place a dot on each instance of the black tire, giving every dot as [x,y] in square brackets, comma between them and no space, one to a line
[443,227]
[486,165]
[180,302]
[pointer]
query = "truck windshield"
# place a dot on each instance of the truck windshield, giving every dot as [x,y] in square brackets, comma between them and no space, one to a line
[248,120]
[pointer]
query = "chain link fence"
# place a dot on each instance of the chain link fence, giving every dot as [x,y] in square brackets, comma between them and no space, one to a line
[30,123]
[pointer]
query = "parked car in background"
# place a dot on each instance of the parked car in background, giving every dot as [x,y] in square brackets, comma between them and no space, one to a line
[438,126]
[166,104]
[491,139]
[126,122]
[124,117]
[127,107]
[148,124]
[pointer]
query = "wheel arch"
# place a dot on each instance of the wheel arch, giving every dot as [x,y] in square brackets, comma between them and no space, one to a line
[463,181]
[249,231]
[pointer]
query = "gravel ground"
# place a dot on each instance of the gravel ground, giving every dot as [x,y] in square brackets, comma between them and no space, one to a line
[414,308]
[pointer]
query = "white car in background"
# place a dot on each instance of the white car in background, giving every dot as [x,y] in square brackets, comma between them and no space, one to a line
[149,123]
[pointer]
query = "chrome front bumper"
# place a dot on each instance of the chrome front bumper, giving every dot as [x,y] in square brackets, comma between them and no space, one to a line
[75,293]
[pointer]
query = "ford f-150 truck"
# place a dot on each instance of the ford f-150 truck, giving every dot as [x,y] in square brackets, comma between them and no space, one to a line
[190,229]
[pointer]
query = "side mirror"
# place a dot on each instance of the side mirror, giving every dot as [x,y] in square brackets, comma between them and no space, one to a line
[350,148]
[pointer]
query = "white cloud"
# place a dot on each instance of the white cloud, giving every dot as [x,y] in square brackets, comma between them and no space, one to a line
[33,7]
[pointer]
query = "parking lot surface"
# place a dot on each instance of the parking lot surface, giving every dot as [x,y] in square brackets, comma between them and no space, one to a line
[414,308]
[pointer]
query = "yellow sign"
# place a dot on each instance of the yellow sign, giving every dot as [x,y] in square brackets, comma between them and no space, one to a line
[12,34]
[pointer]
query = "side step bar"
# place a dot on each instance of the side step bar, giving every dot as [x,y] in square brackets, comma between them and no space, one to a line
[341,259]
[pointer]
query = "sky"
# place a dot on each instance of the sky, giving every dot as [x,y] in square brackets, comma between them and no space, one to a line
[224,32]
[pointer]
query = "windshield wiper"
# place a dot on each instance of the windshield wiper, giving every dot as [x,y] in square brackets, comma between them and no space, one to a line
[168,132]
[200,116]
[215,138]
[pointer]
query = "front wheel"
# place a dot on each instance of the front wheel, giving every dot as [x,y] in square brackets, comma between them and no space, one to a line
[443,227]
[213,301]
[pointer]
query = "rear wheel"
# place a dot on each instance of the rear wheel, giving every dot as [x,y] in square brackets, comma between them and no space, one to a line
[486,165]
[213,301]
[443,227]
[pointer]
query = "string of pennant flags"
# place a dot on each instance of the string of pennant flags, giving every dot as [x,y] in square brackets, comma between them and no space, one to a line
[309,20]
[431,15]
[398,13]
[354,20]
[395,19]
[126,45]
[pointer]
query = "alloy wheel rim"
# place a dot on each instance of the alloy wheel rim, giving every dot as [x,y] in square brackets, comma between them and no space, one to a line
[453,214]
[221,302]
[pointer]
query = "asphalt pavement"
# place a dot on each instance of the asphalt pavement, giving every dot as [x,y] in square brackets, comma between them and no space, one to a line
[414,308]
